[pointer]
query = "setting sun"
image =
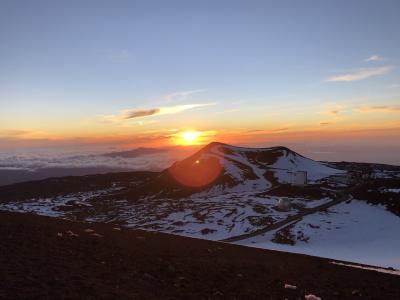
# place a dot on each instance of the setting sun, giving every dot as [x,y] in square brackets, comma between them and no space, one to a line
[190,137]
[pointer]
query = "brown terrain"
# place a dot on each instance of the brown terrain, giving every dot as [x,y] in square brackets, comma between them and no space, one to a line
[48,258]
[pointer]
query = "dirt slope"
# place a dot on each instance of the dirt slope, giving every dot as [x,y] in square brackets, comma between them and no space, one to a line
[42,258]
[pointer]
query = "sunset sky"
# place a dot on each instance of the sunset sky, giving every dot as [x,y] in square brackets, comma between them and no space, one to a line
[258,73]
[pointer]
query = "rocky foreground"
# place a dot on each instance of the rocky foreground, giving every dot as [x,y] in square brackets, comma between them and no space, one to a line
[48,258]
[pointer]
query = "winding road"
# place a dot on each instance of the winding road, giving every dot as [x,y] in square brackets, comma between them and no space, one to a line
[343,195]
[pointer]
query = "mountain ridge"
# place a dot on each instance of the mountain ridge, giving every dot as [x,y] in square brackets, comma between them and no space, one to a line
[234,166]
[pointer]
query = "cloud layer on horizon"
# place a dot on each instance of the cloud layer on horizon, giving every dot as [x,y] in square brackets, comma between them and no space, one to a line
[379,108]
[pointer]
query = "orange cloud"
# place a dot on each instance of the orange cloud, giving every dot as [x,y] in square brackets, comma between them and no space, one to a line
[379,108]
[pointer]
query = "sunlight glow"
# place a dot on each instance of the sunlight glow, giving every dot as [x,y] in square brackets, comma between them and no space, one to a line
[190,136]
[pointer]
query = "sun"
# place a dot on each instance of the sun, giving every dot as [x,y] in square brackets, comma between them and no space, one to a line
[190,137]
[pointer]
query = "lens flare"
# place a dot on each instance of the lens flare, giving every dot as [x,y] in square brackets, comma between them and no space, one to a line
[201,169]
[197,173]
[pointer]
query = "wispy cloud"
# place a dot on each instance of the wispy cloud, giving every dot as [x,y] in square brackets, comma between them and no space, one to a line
[332,110]
[138,113]
[361,74]
[280,129]
[325,123]
[181,95]
[374,58]
[379,108]
[16,132]
[146,122]
[21,133]
[141,113]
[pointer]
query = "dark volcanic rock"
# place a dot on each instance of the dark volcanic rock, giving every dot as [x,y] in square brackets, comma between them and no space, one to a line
[37,262]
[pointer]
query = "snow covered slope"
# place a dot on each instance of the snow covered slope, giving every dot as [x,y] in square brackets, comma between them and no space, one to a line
[220,167]
[354,231]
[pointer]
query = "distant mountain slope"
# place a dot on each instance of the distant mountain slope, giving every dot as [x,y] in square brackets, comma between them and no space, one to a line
[135,152]
[11,176]
[60,186]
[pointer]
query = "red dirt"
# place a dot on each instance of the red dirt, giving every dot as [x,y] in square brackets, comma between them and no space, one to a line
[37,263]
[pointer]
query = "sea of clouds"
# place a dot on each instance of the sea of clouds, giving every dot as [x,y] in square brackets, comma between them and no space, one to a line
[39,164]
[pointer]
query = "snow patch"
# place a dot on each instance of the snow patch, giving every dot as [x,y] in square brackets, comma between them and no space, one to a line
[354,231]
[380,270]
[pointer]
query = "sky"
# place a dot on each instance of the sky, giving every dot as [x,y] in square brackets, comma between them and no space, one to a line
[319,76]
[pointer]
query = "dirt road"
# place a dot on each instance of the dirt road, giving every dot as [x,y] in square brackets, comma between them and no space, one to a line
[342,196]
